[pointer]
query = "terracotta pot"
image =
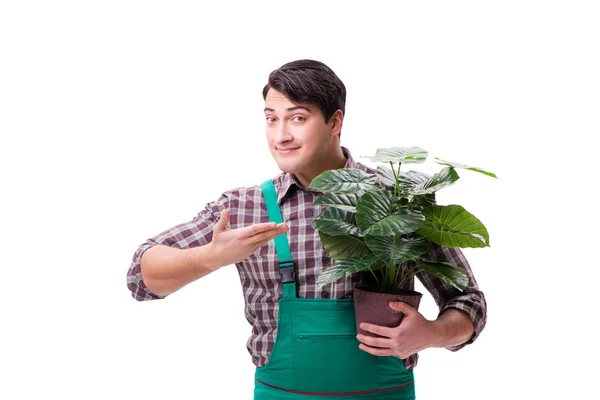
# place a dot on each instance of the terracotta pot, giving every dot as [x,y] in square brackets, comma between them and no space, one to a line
[373,307]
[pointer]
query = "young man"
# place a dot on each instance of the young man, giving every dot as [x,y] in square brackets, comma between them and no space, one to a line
[297,343]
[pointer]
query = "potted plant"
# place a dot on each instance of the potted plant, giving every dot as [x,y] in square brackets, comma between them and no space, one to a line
[382,225]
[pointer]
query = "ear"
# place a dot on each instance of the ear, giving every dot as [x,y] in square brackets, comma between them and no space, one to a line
[336,121]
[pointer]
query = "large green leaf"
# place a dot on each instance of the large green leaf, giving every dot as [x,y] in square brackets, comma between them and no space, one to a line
[376,215]
[342,247]
[344,181]
[445,177]
[379,202]
[386,176]
[396,251]
[402,222]
[341,268]
[335,222]
[409,180]
[453,226]
[405,155]
[446,271]
[457,165]
[343,201]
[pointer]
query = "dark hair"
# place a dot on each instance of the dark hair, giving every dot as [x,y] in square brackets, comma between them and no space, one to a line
[309,82]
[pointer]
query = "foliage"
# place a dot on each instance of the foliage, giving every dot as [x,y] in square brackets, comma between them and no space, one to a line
[383,224]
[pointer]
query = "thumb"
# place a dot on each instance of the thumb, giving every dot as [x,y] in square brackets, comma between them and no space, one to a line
[403,307]
[222,222]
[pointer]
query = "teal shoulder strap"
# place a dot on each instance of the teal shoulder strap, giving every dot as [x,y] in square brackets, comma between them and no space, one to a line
[284,256]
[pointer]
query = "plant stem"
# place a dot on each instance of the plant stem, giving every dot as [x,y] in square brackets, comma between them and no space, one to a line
[411,203]
[408,274]
[374,276]
[390,277]
[397,271]
[395,180]
[397,185]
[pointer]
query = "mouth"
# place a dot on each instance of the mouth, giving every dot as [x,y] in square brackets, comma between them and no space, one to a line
[287,151]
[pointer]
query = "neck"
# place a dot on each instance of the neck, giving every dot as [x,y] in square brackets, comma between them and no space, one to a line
[337,161]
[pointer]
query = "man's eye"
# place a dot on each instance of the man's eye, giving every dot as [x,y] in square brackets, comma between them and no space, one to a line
[270,119]
[299,118]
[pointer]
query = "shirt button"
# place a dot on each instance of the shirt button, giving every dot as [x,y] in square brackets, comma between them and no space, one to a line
[325,259]
[325,294]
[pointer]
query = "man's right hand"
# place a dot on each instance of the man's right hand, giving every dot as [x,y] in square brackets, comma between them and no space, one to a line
[230,246]
[167,269]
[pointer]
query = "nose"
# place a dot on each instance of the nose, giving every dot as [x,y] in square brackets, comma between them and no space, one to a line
[282,133]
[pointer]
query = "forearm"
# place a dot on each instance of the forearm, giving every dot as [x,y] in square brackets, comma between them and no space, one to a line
[167,269]
[453,327]
[467,308]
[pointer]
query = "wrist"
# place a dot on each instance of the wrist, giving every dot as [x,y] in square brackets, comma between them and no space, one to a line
[203,260]
[439,333]
[453,328]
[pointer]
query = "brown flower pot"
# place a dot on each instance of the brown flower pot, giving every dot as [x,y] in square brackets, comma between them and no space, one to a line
[373,307]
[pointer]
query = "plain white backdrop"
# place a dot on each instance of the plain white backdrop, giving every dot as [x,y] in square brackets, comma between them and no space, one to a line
[120,119]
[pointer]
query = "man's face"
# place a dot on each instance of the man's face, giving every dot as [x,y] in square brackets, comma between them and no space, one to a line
[299,139]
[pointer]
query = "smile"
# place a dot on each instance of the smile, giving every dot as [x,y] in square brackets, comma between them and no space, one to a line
[287,151]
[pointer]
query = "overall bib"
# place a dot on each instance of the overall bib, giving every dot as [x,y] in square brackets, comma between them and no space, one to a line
[316,354]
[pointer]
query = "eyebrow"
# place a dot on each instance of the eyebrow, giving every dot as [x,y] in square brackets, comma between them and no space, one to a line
[289,108]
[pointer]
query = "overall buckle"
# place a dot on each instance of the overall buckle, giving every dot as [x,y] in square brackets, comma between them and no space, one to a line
[286,271]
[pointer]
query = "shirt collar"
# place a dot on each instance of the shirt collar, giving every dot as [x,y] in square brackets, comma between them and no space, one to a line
[289,181]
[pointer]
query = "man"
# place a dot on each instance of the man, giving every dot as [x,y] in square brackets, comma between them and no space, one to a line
[304,111]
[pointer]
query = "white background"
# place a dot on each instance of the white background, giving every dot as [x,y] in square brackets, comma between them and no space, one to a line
[120,119]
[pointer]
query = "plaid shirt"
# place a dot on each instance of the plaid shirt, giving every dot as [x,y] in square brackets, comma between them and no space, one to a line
[259,272]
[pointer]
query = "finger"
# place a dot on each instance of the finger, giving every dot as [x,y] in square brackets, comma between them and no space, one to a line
[377,329]
[262,239]
[275,230]
[221,224]
[375,351]
[260,228]
[403,307]
[374,341]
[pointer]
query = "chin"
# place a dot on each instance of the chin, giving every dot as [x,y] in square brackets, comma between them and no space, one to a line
[287,163]
[287,166]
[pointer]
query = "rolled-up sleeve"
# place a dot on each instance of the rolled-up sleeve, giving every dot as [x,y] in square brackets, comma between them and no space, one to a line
[196,232]
[471,300]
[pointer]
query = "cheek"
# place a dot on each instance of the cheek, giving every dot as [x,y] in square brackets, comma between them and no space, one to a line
[269,134]
[310,133]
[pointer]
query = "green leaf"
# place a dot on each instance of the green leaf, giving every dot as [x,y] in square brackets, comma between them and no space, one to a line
[344,181]
[392,251]
[336,222]
[405,155]
[342,201]
[445,177]
[453,226]
[446,271]
[342,247]
[462,166]
[342,268]
[402,222]
[376,215]
[409,180]
[386,176]
[420,202]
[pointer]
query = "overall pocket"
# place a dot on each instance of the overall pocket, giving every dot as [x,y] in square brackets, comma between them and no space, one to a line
[327,357]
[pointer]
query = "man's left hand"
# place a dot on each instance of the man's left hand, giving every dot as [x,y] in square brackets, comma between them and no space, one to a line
[415,333]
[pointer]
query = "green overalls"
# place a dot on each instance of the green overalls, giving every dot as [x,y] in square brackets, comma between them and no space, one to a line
[316,354]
